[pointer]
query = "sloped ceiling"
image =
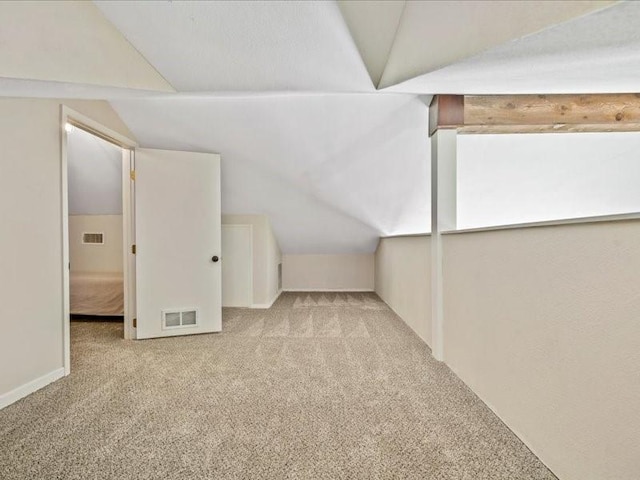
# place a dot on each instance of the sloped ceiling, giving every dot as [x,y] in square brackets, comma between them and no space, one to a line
[597,53]
[373,25]
[95,175]
[435,34]
[333,172]
[256,46]
[286,91]
[70,42]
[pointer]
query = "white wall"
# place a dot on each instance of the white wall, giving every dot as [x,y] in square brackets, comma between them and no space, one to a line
[543,325]
[511,179]
[266,257]
[95,258]
[403,280]
[349,272]
[31,239]
[274,259]
[237,265]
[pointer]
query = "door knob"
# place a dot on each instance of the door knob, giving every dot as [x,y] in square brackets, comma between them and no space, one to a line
[215,258]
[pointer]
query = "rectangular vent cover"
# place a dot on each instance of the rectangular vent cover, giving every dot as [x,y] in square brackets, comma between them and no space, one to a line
[179,318]
[93,238]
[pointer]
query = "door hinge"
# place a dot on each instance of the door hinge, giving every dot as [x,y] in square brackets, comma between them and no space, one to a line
[135,323]
[133,249]
[132,174]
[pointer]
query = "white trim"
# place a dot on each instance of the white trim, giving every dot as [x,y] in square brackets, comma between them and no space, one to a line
[128,239]
[28,388]
[443,217]
[268,305]
[550,223]
[66,115]
[80,120]
[337,290]
[403,235]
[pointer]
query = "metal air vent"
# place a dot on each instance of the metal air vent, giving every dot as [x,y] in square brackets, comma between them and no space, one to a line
[179,318]
[93,238]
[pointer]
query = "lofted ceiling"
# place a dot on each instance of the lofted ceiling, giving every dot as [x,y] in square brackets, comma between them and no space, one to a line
[333,172]
[316,107]
[95,175]
[597,53]
[256,46]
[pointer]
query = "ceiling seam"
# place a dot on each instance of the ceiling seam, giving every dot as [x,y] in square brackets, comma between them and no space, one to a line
[395,35]
[138,51]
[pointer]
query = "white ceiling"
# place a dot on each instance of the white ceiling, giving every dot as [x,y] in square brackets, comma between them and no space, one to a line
[373,25]
[95,175]
[285,91]
[597,53]
[434,34]
[230,45]
[333,171]
[70,42]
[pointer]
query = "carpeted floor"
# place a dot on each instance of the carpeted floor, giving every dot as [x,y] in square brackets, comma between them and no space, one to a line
[320,386]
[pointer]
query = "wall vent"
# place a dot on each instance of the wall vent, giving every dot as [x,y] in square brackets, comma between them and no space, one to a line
[93,238]
[179,318]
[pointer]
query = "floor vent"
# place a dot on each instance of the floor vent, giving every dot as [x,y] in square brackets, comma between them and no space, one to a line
[179,318]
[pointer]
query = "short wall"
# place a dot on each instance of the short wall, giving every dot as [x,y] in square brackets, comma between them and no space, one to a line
[266,257]
[544,325]
[96,258]
[352,272]
[403,280]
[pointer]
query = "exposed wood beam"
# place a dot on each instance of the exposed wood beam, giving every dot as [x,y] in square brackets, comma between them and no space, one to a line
[446,111]
[536,113]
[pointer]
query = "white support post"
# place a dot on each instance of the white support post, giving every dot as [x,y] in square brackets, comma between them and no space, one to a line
[443,217]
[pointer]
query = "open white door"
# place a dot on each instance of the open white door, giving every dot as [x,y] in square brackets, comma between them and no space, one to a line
[177,223]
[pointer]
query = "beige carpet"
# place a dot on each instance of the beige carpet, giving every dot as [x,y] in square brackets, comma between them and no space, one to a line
[321,386]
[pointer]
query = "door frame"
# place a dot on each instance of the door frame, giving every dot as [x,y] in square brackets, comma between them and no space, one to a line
[78,120]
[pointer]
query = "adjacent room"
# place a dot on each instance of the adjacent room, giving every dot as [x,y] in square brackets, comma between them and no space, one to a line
[96,284]
[322,239]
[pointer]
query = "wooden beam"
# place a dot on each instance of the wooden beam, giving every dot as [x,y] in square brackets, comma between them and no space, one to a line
[446,111]
[537,113]
[557,128]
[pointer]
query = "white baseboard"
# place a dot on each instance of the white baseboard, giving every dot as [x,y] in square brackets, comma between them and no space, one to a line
[267,305]
[311,290]
[28,388]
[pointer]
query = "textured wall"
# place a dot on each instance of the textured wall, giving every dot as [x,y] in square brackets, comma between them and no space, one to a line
[403,280]
[30,208]
[328,272]
[274,258]
[95,258]
[266,256]
[542,324]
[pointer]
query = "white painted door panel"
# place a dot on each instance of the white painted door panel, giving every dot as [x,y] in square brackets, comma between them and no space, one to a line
[177,219]
[237,267]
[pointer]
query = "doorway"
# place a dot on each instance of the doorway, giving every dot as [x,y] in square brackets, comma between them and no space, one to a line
[98,228]
[171,207]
